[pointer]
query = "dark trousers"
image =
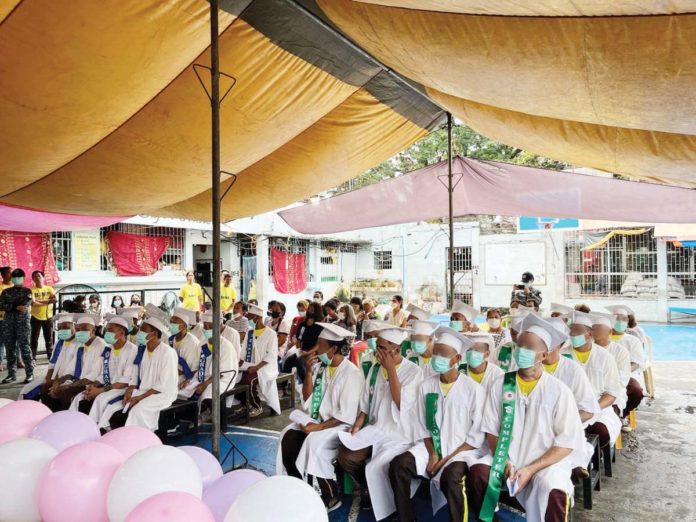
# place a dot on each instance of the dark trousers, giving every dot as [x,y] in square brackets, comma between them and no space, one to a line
[635,396]
[601,431]
[16,330]
[403,469]
[295,362]
[253,382]
[556,510]
[290,447]
[63,397]
[354,462]
[37,328]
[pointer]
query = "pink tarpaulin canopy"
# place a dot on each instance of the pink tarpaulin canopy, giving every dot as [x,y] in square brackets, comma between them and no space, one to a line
[491,187]
[28,220]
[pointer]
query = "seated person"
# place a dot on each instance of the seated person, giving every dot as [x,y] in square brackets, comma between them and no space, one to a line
[477,365]
[421,345]
[187,345]
[463,317]
[371,330]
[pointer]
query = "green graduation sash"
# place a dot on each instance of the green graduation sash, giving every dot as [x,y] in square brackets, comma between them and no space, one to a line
[373,379]
[431,421]
[317,393]
[406,348]
[463,368]
[366,365]
[567,356]
[505,356]
[495,478]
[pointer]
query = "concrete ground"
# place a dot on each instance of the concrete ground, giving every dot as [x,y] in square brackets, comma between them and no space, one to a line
[655,474]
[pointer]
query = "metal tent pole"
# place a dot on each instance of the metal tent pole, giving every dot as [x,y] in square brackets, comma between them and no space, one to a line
[215,161]
[450,190]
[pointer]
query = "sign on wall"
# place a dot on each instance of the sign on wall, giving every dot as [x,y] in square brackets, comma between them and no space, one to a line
[87,250]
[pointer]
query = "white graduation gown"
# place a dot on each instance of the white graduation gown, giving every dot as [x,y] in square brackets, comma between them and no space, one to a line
[158,371]
[189,349]
[635,352]
[64,365]
[232,336]
[490,374]
[340,401]
[92,359]
[623,363]
[265,349]
[396,424]
[546,418]
[603,374]
[228,363]
[459,419]
[423,364]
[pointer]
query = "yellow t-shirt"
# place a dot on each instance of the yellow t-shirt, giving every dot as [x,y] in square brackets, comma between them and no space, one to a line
[478,377]
[3,286]
[384,370]
[526,387]
[445,387]
[582,356]
[616,338]
[227,297]
[332,371]
[551,368]
[191,295]
[42,312]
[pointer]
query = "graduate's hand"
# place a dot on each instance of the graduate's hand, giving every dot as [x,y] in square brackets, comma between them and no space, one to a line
[133,401]
[252,370]
[200,388]
[127,396]
[309,428]
[184,383]
[387,359]
[432,466]
[509,468]
[312,359]
[523,476]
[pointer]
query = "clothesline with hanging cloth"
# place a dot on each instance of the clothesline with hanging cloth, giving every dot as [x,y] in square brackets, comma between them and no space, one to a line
[496,188]
[612,233]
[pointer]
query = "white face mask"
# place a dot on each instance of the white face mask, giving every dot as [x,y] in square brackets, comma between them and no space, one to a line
[302,314]
[493,323]
[237,316]
[341,316]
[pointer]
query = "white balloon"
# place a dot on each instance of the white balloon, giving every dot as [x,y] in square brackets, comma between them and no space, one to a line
[148,472]
[278,498]
[22,463]
[5,402]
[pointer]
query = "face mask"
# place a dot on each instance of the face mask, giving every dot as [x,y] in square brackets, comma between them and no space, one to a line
[173,328]
[324,359]
[341,316]
[141,338]
[302,314]
[252,325]
[457,325]
[620,326]
[82,337]
[208,334]
[440,364]
[64,334]
[514,312]
[237,317]
[420,347]
[110,337]
[525,358]
[372,344]
[17,281]
[118,303]
[317,300]
[275,315]
[578,340]
[474,358]
[493,323]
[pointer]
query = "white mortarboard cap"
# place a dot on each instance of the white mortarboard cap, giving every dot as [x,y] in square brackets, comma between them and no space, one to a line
[207,317]
[159,324]
[466,310]
[154,311]
[560,325]
[333,332]
[86,319]
[452,338]
[418,312]
[393,334]
[544,330]
[581,318]
[557,308]
[117,319]
[186,315]
[481,337]
[256,310]
[371,325]
[424,327]
[63,318]
[602,319]
[521,310]
[132,312]
[620,310]
[516,320]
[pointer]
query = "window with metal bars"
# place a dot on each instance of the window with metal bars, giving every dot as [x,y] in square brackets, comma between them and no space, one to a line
[461,258]
[328,261]
[173,256]
[624,265]
[289,245]
[681,271]
[383,259]
[61,244]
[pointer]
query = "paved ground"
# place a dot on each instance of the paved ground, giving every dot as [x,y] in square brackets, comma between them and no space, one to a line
[655,473]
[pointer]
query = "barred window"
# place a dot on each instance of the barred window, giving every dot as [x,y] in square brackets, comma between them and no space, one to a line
[61,244]
[173,256]
[461,258]
[601,264]
[383,260]
[681,271]
[328,261]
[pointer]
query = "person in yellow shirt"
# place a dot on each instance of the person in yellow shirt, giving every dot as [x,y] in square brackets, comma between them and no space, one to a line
[191,294]
[227,294]
[43,298]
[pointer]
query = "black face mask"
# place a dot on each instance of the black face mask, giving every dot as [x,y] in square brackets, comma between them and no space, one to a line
[274,315]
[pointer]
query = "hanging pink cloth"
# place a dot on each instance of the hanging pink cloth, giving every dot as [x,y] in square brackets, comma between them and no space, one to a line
[289,271]
[134,254]
[29,251]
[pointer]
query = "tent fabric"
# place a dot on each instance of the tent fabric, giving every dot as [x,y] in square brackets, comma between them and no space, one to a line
[132,115]
[27,220]
[585,81]
[489,187]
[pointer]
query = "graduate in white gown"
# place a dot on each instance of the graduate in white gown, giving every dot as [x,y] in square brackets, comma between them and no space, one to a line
[154,381]
[601,332]
[386,403]
[421,345]
[102,398]
[331,394]
[478,366]
[546,428]
[463,317]
[603,374]
[370,329]
[187,345]
[562,311]
[448,417]
[259,362]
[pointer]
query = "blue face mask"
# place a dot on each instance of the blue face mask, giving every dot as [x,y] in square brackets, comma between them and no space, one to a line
[474,359]
[252,324]
[420,347]
[17,281]
[82,337]
[64,334]
[620,326]
[174,328]
[141,338]
[577,341]
[324,359]
[440,364]
[110,338]
[525,358]
[372,344]
[208,334]
[457,325]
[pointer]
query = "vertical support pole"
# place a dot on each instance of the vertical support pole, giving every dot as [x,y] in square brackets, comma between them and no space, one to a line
[450,190]
[215,181]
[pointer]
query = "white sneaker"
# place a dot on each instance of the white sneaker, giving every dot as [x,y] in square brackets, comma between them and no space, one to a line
[255,412]
[626,426]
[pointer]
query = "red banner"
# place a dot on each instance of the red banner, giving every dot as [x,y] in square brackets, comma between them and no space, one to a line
[29,252]
[134,255]
[289,271]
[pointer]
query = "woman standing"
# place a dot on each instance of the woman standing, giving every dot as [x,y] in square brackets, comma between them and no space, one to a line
[397,316]
[191,294]
[346,318]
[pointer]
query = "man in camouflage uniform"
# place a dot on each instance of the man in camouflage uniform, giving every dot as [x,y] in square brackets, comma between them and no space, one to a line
[5,273]
[15,302]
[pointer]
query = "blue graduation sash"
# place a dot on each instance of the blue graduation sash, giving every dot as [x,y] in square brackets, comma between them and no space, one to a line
[78,362]
[56,352]
[185,368]
[172,338]
[205,353]
[139,359]
[249,346]
[106,371]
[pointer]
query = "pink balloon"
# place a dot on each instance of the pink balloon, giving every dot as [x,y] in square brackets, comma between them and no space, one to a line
[173,506]
[220,495]
[17,420]
[130,439]
[75,484]
[66,428]
[207,464]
